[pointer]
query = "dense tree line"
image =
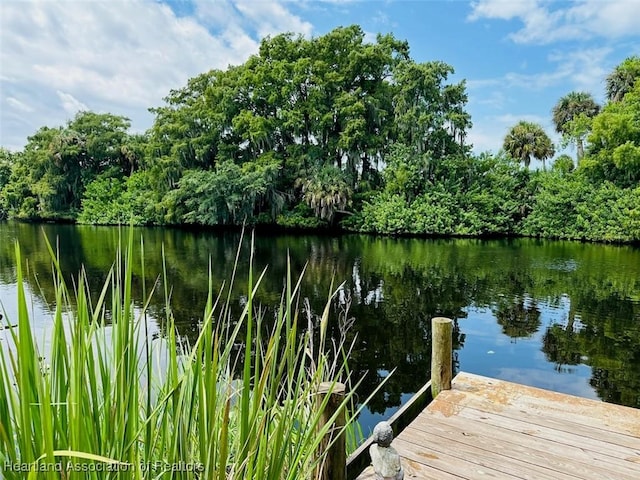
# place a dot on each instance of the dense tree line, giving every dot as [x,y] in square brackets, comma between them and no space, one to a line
[337,132]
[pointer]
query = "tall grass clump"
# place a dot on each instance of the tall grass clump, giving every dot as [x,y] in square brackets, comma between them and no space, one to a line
[106,401]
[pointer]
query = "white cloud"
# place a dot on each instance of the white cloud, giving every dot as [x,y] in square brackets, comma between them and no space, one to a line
[585,68]
[612,18]
[18,105]
[70,104]
[510,119]
[121,57]
[257,18]
[484,139]
[581,69]
[271,18]
[494,99]
[502,9]
[546,22]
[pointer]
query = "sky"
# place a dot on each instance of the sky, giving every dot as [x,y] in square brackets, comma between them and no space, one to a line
[518,57]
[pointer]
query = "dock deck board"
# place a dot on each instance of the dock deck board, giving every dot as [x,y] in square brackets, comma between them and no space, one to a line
[488,428]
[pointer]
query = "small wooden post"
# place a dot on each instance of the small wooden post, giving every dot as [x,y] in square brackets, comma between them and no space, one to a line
[441,354]
[334,466]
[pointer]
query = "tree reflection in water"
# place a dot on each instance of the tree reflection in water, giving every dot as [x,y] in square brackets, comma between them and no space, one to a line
[393,288]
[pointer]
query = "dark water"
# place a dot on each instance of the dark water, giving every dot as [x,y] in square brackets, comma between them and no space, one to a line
[558,315]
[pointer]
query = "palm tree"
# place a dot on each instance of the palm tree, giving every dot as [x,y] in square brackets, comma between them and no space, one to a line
[622,79]
[326,191]
[526,140]
[572,117]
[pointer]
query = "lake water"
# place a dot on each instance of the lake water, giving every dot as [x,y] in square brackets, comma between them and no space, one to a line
[563,316]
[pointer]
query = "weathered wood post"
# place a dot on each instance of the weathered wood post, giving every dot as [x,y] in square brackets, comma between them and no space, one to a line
[334,466]
[441,354]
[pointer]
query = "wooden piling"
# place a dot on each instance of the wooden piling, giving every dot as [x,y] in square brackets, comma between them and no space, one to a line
[441,354]
[334,465]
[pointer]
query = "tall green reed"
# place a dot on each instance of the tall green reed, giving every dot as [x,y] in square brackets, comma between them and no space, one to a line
[106,401]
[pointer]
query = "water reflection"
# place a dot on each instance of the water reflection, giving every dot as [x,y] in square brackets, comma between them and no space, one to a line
[557,315]
[518,317]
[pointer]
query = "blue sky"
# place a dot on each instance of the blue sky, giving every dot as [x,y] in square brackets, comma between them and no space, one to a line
[517,56]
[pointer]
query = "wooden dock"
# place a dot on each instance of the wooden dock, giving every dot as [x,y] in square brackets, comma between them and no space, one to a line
[487,428]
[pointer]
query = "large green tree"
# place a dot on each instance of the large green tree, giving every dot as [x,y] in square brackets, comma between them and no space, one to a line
[49,177]
[572,117]
[527,140]
[331,102]
[35,187]
[614,152]
[430,114]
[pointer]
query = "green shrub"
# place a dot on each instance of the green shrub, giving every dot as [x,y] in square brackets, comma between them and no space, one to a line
[300,216]
[569,206]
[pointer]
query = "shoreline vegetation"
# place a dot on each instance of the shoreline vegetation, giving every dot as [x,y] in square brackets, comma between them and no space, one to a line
[335,134]
[106,397]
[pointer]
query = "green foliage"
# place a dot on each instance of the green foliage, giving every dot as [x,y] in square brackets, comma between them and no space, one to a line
[184,133]
[406,172]
[6,161]
[527,140]
[327,98]
[354,133]
[98,141]
[623,78]
[301,216]
[554,209]
[571,106]
[326,110]
[111,200]
[143,199]
[49,177]
[429,115]
[229,194]
[326,191]
[294,97]
[102,203]
[451,196]
[614,152]
[497,196]
[31,191]
[563,164]
[568,206]
[393,213]
[572,117]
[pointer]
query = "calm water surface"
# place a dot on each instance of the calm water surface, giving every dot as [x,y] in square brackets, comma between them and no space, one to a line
[563,316]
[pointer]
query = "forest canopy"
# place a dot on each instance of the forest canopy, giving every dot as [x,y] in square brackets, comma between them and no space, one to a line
[337,132]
